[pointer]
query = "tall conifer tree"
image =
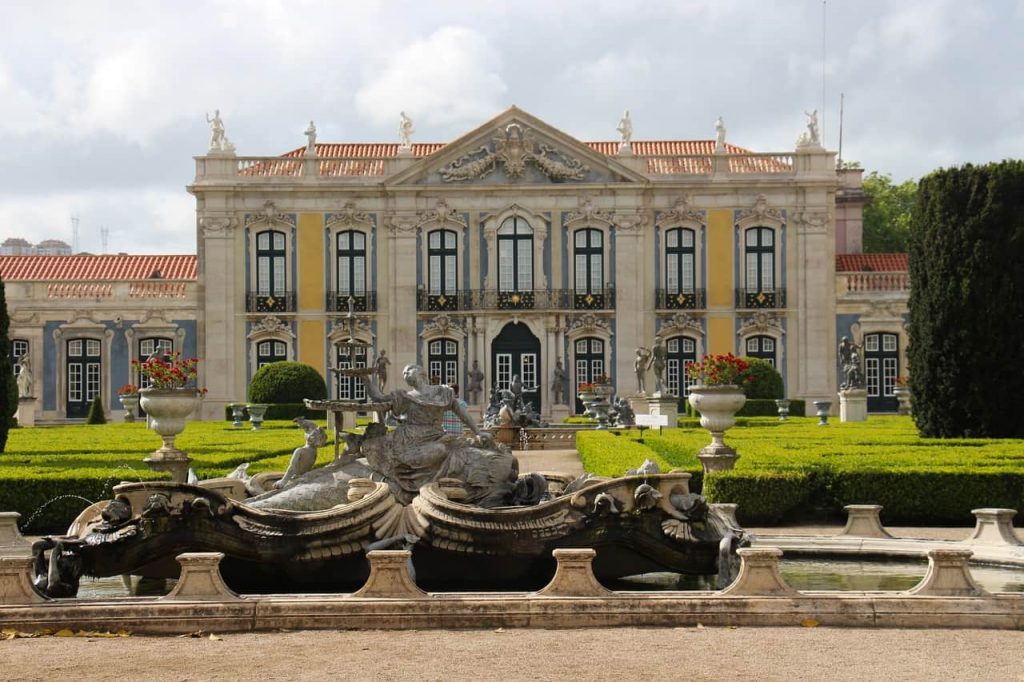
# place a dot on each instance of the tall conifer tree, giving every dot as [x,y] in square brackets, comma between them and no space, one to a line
[966,351]
[8,389]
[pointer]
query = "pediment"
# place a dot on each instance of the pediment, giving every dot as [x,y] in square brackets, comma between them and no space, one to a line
[515,148]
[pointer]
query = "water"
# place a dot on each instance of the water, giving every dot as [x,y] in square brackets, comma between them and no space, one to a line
[27,525]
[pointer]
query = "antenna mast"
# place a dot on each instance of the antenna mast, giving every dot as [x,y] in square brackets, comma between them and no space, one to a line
[839,156]
[105,237]
[824,8]
[74,234]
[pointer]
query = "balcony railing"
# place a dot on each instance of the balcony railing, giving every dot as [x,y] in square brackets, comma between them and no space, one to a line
[281,302]
[760,298]
[690,299]
[338,302]
[858,282]
[538,299]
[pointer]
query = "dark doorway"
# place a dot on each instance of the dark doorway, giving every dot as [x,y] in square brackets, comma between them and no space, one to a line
[881,368]
[82,370]
[590,364]
[516,352]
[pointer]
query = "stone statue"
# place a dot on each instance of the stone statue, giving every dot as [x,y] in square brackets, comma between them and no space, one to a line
[218,140]
[658,357]
[812,138]
[405,131]
[719,134]
[625,129]
[850,364]
[558,383]
[475,383]
[641,364]
[304,457]
[311,138]
[381,367]
[25,378]
[622,413]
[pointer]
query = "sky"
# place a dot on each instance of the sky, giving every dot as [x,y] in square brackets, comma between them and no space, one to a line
[104,104]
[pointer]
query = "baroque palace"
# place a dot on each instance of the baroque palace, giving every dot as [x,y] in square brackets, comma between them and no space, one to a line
[510,249]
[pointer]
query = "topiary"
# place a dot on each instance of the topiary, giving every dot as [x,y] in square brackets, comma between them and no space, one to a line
[286,382]
[96,415]
[767,382]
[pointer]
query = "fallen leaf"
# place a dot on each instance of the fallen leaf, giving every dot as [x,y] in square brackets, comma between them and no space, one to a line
[699,626]
[733,627]
[809,623]
[500,630]
[64,633]
[215,638]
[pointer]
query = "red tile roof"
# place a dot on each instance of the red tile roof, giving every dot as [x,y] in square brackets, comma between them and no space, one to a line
[872,262]
[78,268]
[664,157]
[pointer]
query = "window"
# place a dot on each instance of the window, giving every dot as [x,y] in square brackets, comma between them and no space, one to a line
[760,259]
[149,347]
[762,347]
[350,388]
[82,369]
[515,255]
[680,255]
[442,262]
[589,363]
[270,263]
[18,348]
[680,353]
[270,351]
[443,361]
[351,264]
[589,261]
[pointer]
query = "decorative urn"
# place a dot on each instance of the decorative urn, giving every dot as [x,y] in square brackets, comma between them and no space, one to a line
[717,406]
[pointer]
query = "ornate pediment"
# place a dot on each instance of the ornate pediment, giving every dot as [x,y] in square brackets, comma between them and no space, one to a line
[586,213]
[444,325]
[270,325]
[681,323]
[682,214]
[270,216]
[513,148]
[441,214]
[760,213]
[349,216]
[588,324]
[761,323]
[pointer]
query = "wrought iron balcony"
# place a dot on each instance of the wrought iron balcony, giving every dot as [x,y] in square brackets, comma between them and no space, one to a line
[536,299]
[338,302]
[280,302]
[688,299]
[756,298]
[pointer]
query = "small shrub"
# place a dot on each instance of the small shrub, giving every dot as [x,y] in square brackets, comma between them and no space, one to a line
[96,415]
[767,382]
[756,407]
[286,382]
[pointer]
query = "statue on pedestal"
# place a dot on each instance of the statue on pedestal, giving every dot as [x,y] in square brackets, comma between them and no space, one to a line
[558,383]
[25,379]
[381,365]
[719,135]
[641,364]
[218,140]
[625,129]
[850,364]
[311,138]
[405,131]
[475,383]
[658,356]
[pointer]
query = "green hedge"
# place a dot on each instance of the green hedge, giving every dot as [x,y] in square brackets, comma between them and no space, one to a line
[757,407]
[762,496]
[286,382]
[283,411]
[612,453]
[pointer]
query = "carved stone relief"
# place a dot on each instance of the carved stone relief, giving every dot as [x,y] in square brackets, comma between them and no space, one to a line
[681,323]
[216,227]
[760,212]
[761,323]
[682,213]
[349,215]
[514,148]
[270,216]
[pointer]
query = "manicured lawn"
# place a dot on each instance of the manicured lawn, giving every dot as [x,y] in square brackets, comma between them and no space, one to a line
[85,462]
[796,467]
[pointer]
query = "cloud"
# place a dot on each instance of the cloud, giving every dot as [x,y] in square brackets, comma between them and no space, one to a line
[451,77]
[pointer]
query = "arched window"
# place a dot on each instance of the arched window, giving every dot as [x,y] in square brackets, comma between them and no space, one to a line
[270,351]
[515,255]
[443,361]
[150,346]
[762,347]
[759,249]
[680,353]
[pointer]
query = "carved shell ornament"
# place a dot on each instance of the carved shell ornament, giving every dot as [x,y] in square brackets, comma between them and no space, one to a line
[514,148]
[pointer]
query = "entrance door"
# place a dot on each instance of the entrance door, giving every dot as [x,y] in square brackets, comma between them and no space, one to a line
[82,370]
[881,367]
[516,352]
[589,357]
[680,353]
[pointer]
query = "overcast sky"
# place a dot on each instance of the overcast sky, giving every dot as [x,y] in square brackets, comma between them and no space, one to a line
[103,104]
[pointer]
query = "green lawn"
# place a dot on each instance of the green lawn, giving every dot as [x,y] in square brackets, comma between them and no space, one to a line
[796,467]
[84,462]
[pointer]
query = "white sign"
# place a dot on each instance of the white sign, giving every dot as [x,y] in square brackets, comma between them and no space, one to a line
[652,420]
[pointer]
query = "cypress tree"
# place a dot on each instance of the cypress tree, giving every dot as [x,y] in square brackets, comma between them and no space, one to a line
[966,353]
[96,415]
[8,388]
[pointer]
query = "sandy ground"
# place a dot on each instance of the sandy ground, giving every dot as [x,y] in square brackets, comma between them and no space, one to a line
[596,654]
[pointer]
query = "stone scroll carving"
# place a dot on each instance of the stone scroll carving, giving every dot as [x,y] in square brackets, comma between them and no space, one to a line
[514,148]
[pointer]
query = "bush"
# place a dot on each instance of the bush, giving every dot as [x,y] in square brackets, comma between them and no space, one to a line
[767,382]
[286,382]
[762,496]
[606,454]
[755,407]
[96,415]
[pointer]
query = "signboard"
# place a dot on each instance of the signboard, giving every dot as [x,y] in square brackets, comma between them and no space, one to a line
[652,420]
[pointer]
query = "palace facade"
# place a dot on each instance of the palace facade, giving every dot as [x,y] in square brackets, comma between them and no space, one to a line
[513,247]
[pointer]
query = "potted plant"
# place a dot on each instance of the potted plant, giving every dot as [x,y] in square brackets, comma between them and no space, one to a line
[129,397]
[717,396]
[168,399]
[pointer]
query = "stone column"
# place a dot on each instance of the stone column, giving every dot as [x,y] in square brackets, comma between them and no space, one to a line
[631,282]
[222,352]
[402,232]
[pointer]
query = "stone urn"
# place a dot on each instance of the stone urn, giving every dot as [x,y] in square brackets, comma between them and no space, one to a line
[237,413]
[256,414]
[130,403]
[167,409]
[902,394]
[782,407]
[717,406]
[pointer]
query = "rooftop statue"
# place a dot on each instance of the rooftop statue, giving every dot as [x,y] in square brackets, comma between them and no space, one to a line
[625,129]
[311,138]
[218,140]
[405,131]
[719,134]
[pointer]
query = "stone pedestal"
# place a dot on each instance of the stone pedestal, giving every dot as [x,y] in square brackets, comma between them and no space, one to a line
[559,413]
[994,527]
[853,405]
[948,575]
[638,403]
[26,411]
[663,404]
[12,543]
[862,520]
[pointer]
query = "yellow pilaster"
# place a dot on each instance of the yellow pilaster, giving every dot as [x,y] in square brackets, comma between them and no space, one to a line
[720,258]
[309,279]
[720,335]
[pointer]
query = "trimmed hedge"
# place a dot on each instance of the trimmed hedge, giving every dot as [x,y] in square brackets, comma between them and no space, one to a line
[757,407]
[761,381]
[612,453]
[286,382]
[763,496]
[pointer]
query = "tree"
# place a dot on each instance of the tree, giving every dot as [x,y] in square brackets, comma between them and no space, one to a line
[887,214]
[8,388]
[96,415]
[967,302]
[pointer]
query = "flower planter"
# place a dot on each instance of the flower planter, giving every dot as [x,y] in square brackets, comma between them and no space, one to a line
[167,409]
[717,406]
[130,403]
[237,413]
[783,408]
[256,413]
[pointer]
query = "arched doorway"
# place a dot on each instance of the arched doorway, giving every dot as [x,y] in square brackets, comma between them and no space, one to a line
[516,352]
